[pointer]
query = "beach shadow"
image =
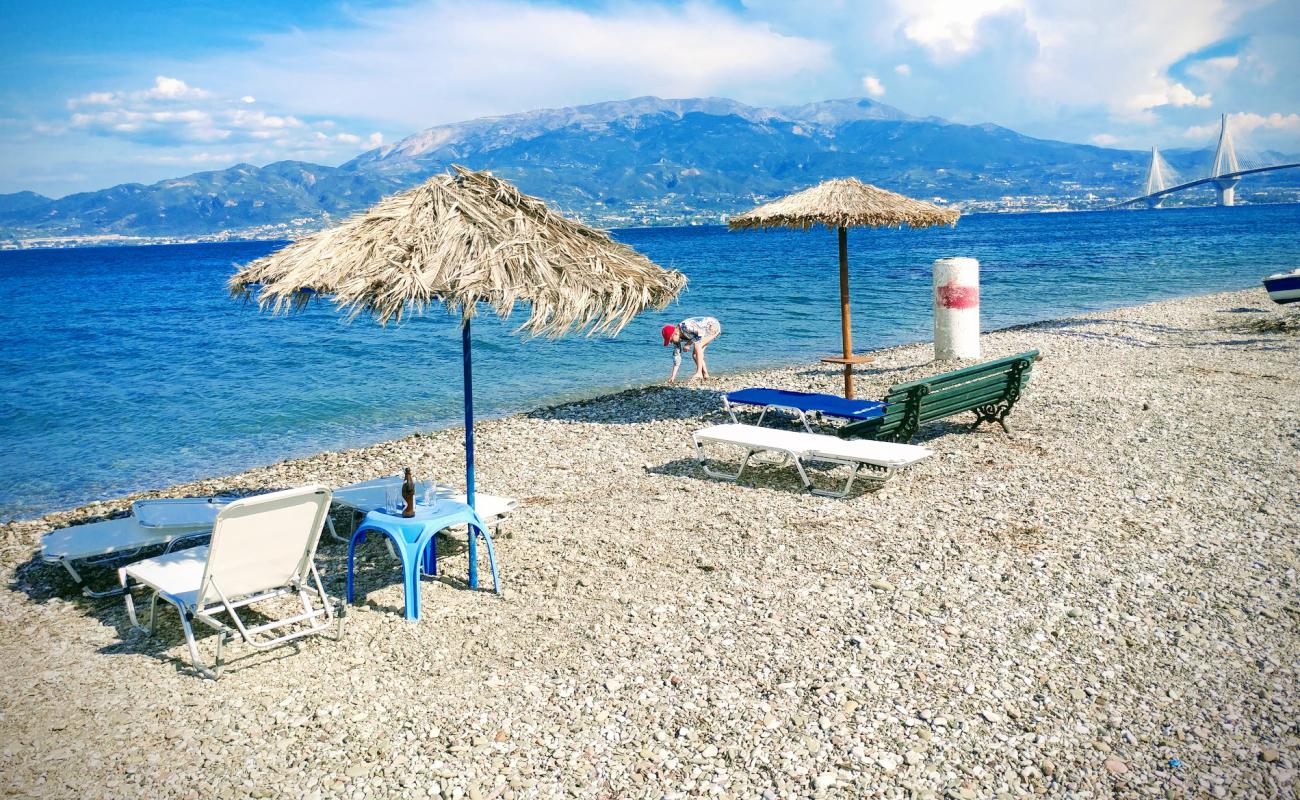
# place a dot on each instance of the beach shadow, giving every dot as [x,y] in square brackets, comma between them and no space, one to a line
[378,571]
[1075,322]
[1062,328]
[42,581]
[859,371]
[767,475]
[635,406]
[168,639]
[1282,323]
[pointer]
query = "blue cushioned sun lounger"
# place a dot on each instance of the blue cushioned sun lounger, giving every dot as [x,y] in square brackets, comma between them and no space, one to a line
[800,404]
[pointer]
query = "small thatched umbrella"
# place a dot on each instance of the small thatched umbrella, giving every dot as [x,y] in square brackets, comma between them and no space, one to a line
[841,204]
[461,239]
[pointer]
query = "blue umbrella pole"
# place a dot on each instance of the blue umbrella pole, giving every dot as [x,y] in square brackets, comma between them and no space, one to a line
[469,447]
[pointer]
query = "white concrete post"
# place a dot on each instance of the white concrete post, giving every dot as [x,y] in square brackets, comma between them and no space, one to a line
[956,309]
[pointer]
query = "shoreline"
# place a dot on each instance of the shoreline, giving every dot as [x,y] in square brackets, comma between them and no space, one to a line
[1103,604]
[596,395]
[115,240]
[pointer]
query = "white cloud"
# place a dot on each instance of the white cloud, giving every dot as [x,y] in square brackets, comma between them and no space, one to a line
[1104,139]
[1117,54]
[1113,54]
[1213,70]
[531,55]
[903,69]
[164,89]
[375,139]
[1246,123]
[1137,108]
[872,86]
[175,115]
[949,29]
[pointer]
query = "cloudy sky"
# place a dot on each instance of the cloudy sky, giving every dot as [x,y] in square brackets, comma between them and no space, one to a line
[93,94]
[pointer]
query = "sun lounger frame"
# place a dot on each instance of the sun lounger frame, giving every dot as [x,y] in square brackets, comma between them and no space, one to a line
[797,413]
[169,541]
[304,583]
[801,414]
[873,473]
[207,615]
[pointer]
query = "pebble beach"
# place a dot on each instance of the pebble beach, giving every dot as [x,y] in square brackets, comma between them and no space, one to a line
[1105,604]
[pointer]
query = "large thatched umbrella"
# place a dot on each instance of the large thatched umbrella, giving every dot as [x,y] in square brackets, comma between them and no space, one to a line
[841,204]
[461,239]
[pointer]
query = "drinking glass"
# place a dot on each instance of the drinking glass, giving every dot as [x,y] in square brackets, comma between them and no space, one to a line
[429,493]
[393,499]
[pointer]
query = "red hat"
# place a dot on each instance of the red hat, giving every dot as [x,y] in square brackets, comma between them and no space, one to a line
[668,331]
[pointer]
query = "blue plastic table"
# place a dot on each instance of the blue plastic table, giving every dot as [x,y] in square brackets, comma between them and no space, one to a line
[414,540]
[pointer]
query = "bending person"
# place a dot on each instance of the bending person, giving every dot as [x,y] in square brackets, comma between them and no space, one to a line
[695,334]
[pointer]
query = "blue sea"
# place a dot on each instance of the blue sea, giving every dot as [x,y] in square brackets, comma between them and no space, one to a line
[129,368]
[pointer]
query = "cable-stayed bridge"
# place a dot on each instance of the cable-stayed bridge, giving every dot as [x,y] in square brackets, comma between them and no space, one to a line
[1225,172]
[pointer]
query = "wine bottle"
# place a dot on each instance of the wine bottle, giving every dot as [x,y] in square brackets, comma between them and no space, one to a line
[408,494]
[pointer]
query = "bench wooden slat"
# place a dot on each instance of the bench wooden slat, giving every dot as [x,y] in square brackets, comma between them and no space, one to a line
[957,405]
[897,410]
[953,386]
[968,373]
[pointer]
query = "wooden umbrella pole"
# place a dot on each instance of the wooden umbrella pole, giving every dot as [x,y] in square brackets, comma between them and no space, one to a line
[846,325]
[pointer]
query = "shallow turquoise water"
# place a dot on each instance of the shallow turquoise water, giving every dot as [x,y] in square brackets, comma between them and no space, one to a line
[129,368]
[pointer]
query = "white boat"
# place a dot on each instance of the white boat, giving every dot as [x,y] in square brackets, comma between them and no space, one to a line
[1283,287]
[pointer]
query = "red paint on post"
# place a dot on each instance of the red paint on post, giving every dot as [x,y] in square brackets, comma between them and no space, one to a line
[953,296]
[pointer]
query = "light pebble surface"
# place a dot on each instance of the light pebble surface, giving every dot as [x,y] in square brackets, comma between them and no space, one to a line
[1057,614]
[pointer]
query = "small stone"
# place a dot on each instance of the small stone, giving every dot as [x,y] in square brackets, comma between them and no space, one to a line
[613,684]
[989,716]
[882,585]
[1116,766]
[913,758]
[1269,755]
[825,780]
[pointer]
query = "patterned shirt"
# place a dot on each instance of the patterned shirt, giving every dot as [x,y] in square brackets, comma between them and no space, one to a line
[692,330]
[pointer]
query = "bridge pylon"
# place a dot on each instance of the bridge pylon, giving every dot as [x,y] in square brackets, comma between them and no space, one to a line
[1225,162]
[1155,179]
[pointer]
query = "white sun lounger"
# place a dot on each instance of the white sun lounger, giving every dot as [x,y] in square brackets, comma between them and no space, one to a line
[879,459]
[175,521]
[180,512]
[102,543]
[262,547]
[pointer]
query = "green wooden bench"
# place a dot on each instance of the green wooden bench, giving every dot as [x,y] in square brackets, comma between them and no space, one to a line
[990,390]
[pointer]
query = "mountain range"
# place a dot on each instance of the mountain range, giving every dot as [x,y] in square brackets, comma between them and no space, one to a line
[619,163]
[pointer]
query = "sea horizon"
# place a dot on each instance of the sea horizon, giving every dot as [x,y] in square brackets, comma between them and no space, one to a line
[203,239]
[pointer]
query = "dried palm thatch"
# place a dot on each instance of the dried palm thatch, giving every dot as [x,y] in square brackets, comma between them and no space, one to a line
[845,203]
[460,239]
[842,204]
